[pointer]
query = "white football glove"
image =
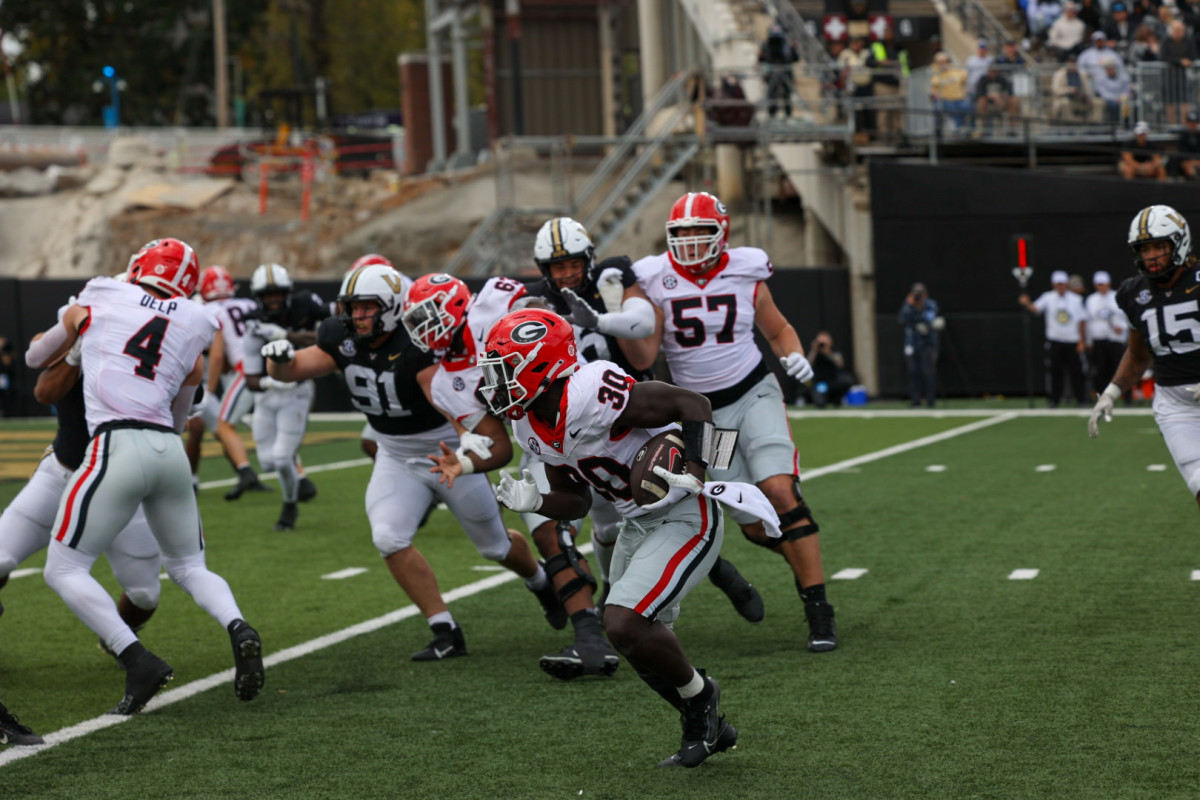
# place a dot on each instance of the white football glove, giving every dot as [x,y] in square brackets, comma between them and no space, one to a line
[266,383]
[612,292]
[475,443]
[1195,390]
[280,351]
[581,314]
[797,366]
[1103,408]
[75,354]
[519,495]
[681,488]
[270,331]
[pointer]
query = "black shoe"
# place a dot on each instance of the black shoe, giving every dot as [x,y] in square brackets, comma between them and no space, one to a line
[306,491]
[13,732]
[552,605]
[249,675]
[143,679]
[587,656]
[822,630]
[287,517]
[745,598]
[447,643]
[705,731]
[247,481]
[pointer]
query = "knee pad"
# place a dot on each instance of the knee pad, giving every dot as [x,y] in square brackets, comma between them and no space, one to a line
[499,552]
[798,513]
[144,597]
[570,559]
[388,540]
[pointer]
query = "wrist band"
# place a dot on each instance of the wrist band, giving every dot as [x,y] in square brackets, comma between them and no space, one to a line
[464,461]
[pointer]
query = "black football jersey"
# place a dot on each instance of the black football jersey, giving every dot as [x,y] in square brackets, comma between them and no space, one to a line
[1169,321]
[71,439]
[593,345]
[303,313]
[383,381]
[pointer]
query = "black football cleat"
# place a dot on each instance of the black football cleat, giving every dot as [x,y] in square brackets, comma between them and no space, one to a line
[745,598]
[306,490]
[143,678]
[447,643]
[587,656]
[822,629]
[13,732]
[705,731]
[249,675]
[247,482]
[287,517]
[552,606]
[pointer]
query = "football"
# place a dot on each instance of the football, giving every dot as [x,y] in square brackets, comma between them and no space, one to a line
[663,450]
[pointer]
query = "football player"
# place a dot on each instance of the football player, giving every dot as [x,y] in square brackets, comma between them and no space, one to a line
[613,321]
[440,314]
[711,298]
[388,378]
[281,408]
[141,359]
[1162,308]
[227,397]
[587,422]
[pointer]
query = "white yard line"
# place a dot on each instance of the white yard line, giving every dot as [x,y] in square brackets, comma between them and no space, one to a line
[188,690]
[864,413]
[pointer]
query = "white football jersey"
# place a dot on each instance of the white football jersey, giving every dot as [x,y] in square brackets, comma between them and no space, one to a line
[584,440]
[708,322]
[137,351]
[455,385]
[230,314]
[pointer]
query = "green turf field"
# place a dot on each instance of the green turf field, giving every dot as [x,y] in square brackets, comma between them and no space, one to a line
[953,679]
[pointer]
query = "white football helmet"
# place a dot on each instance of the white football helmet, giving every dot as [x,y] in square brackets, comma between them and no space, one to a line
[1164,223]
[560,239]
[268,278]
[374,282]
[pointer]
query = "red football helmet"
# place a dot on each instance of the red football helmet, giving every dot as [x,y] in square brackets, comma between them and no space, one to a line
[697,254]
[368,260]
[168,265]
[216,283]
[526,351]
[434,308]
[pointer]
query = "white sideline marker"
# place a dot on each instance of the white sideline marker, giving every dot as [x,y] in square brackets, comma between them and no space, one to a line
[1196,574]
[169,696]
[1045,468]
[1156,468]
[849,574]
[936,468]
[348,572]
[1023,574]
[487,568]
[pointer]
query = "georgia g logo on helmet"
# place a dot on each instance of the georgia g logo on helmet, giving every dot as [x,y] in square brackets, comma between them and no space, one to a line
[529,332]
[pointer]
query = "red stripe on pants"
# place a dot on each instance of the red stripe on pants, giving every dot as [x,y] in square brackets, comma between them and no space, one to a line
[66,523]
[673,564]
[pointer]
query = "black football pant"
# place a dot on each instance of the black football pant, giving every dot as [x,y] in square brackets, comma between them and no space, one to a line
[1064,363]
[1106,356]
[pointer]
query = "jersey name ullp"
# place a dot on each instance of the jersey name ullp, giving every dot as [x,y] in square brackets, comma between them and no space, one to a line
[158,305]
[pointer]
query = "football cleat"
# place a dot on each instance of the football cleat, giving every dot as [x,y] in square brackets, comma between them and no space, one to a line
[822,630]
[249,675]
[306,491]
[247,481]
[587,656]
[447,643]
[143,679]
[287,517]
[745,598]
[705,731]
[13,732]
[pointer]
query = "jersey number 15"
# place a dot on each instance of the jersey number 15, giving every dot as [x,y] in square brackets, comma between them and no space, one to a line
[1164,336]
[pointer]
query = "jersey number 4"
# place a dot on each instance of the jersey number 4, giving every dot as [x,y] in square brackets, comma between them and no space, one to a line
[689,332]
[146,346]
[1164,336]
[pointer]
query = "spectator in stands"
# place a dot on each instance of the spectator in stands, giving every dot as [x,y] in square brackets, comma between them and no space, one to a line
[1188,162]
[831,380]
[1112,87]
[888,64]
[1074,99]
[1142,159]
[1041,14]
[776,57]
[1092,14]
[1118,29]
[728,106]
[833,81]
[1066,35]
[1092,59]
[1009,55]
[857,77]
[1179,52]
[1145,46]
[994,100]
[948,89]
[977,65]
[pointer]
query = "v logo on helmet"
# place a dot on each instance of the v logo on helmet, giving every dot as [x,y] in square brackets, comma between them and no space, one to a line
[528,332]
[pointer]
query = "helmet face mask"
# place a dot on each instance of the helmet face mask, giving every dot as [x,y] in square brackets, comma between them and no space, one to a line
[434,310]
[1161,242]
[169,266]
[377,290]
[272,287]
[697,232]
[526,352]
[565,255]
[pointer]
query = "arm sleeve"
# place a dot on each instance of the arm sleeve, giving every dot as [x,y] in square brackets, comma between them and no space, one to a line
[39,352]
[635,320]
